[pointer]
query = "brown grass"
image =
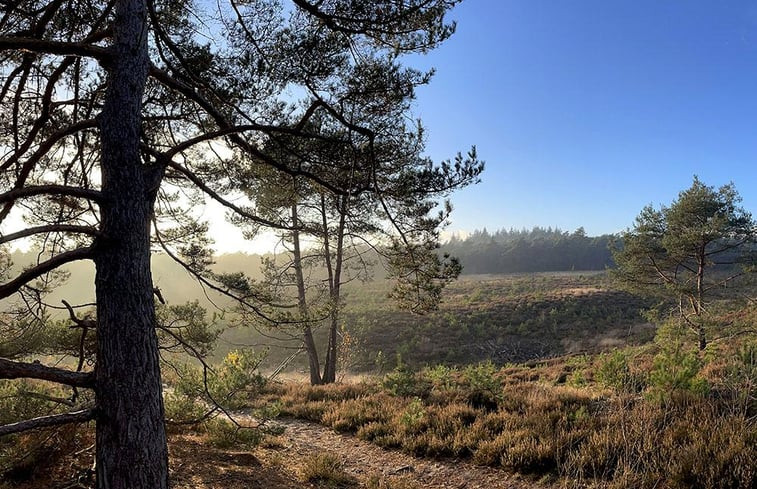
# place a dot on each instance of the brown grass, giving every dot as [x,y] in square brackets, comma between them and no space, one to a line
[325,471]
[588,435]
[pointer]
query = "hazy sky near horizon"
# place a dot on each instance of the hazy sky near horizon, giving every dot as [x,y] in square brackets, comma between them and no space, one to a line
[586,111]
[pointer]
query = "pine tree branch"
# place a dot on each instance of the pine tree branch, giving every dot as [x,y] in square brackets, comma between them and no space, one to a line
[43,118]
[80,323]
[46,421]
[164,78]
[52,189]
[47,144]
[205,282]
[60,48]
[44,397]
[296,130]
[731,336]
[84,325]
[340,23]
[215,196]
[51,228]
[10,369]
[32,273]
[733,245]
[43,149]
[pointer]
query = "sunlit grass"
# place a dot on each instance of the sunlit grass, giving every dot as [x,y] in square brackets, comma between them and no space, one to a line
[612,432]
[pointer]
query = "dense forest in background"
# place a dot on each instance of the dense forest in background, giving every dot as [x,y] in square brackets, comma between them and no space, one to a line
[503,251]
[536,250]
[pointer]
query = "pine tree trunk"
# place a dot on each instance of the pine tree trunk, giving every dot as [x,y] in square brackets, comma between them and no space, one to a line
[131,440]
[329,371]
[312,352]
[310,348]
[702,259]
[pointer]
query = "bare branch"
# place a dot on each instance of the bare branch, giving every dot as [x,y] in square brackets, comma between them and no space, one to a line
[81,323]
[85,325]
[46,421]
[158,294]
[734,335]
[194,421]
[45,397]
[10,369]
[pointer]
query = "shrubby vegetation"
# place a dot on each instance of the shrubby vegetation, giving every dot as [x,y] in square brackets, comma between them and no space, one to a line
[22,455]
[631,424]
[119,118]
[511,318]
[678,412]
[663,413]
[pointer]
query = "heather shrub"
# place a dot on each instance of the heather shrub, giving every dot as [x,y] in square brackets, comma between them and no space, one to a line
[24,455]
[374,430]
[336,392]
[675,436]
[739,380]
[349,415]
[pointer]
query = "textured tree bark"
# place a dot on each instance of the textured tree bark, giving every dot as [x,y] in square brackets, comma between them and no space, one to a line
[312,351]
[15,370]
[131,440]
[47,421]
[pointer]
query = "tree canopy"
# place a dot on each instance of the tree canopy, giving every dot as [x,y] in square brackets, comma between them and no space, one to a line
[690,252]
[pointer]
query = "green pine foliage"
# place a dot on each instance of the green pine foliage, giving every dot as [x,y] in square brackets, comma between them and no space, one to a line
[701,248]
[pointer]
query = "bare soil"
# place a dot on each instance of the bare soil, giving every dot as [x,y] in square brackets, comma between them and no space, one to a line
[368,462]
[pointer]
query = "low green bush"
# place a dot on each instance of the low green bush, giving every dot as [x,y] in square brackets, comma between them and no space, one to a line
[614,370]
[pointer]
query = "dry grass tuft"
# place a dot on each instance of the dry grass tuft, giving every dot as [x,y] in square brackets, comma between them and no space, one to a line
[325,471]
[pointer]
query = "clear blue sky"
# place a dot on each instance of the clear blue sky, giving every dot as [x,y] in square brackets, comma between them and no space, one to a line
[587,110]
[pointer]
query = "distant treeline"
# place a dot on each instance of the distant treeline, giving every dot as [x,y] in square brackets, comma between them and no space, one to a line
[536,250]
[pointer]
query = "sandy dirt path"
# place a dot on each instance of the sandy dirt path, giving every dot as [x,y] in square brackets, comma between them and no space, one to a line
[365,461]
